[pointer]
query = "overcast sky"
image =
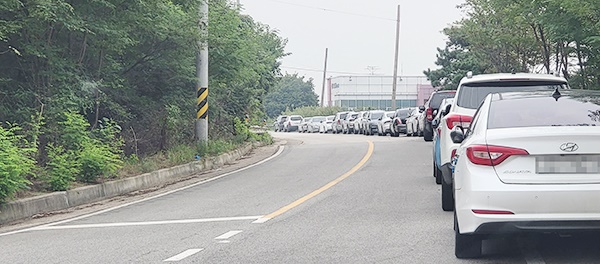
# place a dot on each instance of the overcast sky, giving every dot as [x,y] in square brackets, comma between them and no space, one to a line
[358,33]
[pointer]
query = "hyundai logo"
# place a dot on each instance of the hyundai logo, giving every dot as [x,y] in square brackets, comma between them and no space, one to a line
[569,147]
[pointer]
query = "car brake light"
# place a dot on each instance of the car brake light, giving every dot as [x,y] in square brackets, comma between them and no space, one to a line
[289,123]
[453,154]
[492,155]
[492,212]
[458,120]
[429,114]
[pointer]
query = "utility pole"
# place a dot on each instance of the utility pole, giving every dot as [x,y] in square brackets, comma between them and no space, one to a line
[395,82]
[324,79]
[201,123]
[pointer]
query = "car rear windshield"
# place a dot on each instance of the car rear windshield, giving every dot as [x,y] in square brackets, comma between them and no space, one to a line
[402,113]
[343,116]
[436,99]
[295,118]
[318,119]
[376,115]
[545,111]
[471,95]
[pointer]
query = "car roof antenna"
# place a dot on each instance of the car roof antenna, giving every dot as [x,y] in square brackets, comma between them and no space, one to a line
[556,94]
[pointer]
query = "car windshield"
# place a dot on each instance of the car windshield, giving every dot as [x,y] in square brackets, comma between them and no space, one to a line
[437,98]
[544,111]
[390,115]
[471,95]
[295,118]
[343,116]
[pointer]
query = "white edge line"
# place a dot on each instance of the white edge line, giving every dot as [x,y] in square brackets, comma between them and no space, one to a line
[122,224]
[183,255]
[228,234]
[279,151]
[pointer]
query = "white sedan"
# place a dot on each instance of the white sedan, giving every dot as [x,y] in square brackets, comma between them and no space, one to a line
[529,163]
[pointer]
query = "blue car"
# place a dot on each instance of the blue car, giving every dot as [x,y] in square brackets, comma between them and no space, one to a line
[437,160]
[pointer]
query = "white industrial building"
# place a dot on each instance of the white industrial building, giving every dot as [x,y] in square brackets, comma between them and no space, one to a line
[375,92]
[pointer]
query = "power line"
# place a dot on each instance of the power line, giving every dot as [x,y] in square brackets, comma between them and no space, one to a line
[333,10]
[316,70]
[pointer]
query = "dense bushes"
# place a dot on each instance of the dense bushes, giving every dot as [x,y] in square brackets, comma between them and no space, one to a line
[16,162]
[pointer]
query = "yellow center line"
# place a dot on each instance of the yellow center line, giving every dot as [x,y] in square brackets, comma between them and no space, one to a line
[300,201]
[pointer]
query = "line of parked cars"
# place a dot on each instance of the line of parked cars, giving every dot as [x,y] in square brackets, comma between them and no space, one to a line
[516,153]
[372,122]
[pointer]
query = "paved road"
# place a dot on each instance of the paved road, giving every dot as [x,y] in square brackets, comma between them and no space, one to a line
[320,199]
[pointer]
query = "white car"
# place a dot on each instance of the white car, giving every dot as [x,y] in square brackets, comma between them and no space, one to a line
[529,163]
[471,92]
[327,125]
[384,126]
[412,123]
[314,125]
[292,123]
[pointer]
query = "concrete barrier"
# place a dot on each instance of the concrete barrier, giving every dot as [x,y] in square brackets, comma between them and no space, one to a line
[56,201]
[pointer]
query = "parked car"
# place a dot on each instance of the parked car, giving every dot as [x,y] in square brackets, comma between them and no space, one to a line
[530,162]
[303,127]
[327,125]
[384,126]
[431,108]
[444,108]
[399,121]
[348,123]
[471,92]
[372,120]
[358,122]
[278,125]
[412,123]
[337,122]
[364,121]
[314,124]
[292,123]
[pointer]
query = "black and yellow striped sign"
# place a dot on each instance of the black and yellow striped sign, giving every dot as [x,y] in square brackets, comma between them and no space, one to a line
[202,103]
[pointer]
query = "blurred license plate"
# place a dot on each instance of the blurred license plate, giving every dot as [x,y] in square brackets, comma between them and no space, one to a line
[568,164]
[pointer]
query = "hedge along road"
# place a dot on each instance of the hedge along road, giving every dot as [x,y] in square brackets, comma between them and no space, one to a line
[324,198]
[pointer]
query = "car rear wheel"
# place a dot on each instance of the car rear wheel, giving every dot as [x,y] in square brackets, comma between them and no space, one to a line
[437,173]
[428,133]
[447,199]
[466,246]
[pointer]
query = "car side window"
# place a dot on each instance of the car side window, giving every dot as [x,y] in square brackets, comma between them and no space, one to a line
[476,119]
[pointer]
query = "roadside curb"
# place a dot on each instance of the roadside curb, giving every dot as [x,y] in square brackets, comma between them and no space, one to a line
[56,201]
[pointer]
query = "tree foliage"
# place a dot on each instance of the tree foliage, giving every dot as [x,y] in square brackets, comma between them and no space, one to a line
[291,92]
[109,64]
[545,36]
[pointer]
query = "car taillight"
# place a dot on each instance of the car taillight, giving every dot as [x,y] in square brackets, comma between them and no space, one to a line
[289,123]
[487,155]
[453,154]
[429,114]
[458,120]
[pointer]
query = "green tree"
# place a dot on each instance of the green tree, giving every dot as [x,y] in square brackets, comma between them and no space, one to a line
[291,92]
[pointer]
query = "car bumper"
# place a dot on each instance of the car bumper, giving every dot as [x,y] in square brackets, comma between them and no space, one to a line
[535,208]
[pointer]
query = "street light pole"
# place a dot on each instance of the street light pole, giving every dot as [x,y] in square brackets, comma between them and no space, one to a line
[201,123]
[395,81]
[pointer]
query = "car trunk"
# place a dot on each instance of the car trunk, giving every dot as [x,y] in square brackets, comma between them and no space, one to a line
[557,155]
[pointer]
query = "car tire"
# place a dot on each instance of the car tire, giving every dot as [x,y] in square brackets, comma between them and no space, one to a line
[466,246]
[437,173]
[447,197]
[428,133]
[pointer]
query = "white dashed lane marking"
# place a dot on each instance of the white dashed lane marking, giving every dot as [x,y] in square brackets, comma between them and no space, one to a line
[228,234]
[183,255]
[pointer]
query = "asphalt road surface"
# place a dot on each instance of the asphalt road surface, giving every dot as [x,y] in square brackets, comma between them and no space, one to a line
[318,199]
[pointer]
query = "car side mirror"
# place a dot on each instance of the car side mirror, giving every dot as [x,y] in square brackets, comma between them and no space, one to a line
[435,112]
[435,123]
[457,136]
[447,110]
[422,108]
